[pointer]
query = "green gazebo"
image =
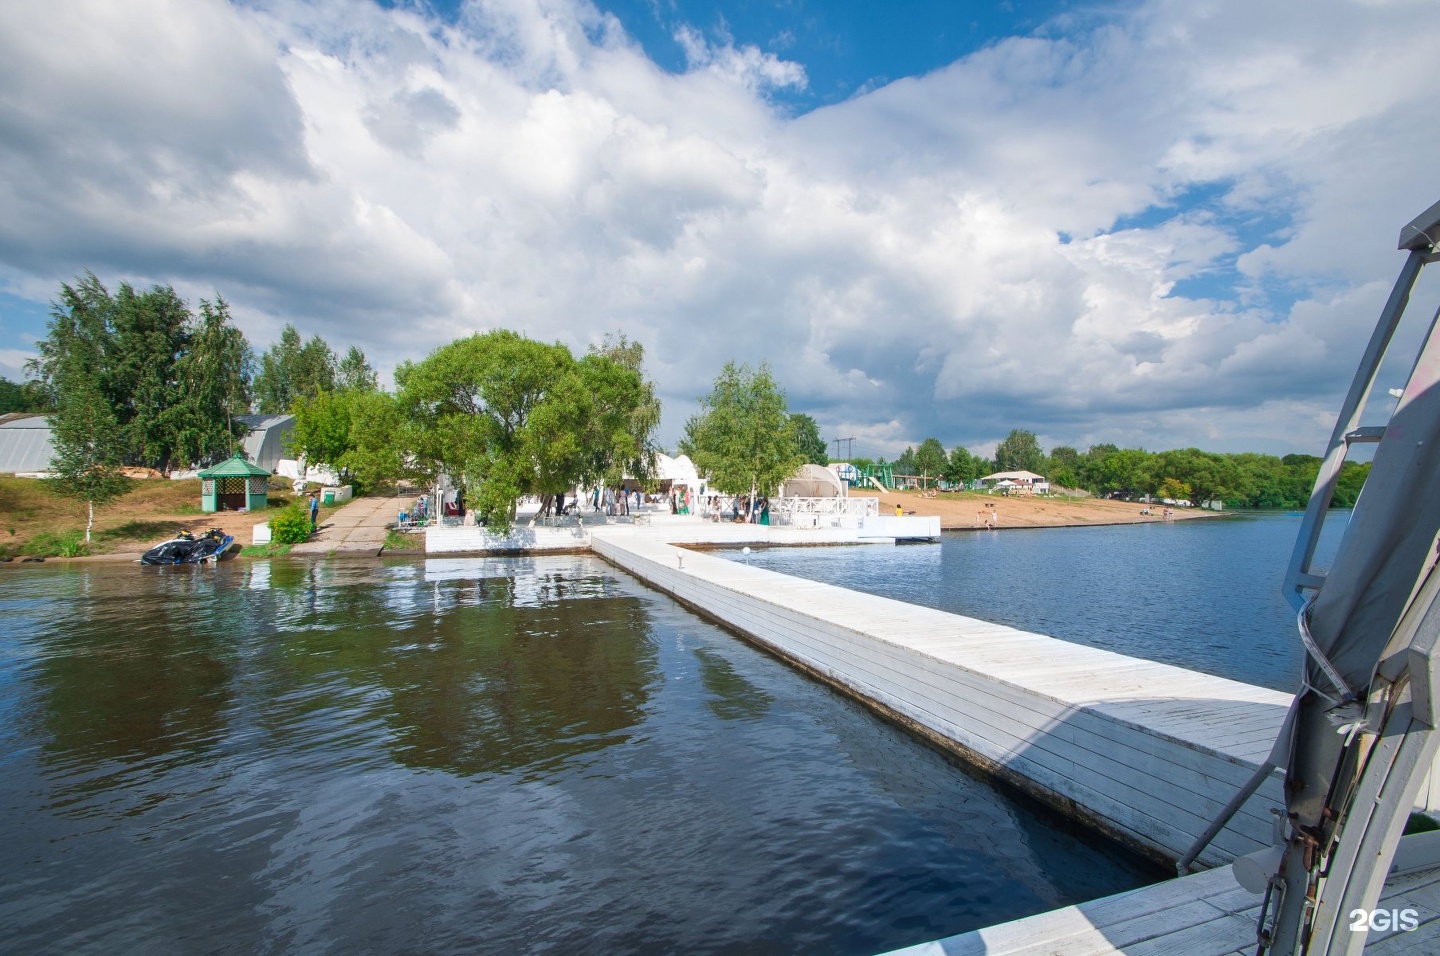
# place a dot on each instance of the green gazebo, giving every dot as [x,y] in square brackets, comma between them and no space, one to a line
[234,485]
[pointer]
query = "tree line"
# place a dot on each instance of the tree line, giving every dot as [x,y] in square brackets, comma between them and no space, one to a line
[1243,480]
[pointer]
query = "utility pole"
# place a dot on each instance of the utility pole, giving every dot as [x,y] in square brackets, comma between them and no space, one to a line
[849,447]
[837,442]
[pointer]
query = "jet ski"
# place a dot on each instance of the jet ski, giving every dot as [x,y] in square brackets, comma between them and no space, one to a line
[214,545]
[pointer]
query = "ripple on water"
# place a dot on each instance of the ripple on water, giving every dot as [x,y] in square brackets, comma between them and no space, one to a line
[471,756]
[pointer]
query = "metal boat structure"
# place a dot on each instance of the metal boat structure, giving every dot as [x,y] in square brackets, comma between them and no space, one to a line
[1361,737]
[211,547]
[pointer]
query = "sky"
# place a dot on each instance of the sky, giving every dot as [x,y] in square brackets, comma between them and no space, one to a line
[1153,223]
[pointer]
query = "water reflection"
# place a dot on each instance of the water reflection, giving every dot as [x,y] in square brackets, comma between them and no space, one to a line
[462,756]
[732,697]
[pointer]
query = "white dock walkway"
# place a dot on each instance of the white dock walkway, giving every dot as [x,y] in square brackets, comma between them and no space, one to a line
[1146,751]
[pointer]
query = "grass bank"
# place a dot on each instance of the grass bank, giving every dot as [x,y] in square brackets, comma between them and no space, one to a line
[36,521]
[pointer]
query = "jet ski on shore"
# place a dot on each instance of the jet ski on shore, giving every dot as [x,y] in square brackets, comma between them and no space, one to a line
[214,545]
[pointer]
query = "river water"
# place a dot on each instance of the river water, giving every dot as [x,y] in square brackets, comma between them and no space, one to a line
[1203,594]
[468,756]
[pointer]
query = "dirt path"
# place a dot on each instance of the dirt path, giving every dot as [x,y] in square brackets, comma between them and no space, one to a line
[355,528]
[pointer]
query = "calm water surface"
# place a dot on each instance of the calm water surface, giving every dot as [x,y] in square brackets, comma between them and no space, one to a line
[469,757]
[1202,594]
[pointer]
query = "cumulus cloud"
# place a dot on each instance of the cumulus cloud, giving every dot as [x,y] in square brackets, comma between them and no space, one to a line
[1014,240]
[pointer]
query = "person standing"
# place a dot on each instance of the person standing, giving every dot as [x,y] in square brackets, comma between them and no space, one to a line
[314,511]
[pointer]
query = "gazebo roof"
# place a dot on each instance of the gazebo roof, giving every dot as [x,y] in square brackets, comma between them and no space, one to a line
[235,467]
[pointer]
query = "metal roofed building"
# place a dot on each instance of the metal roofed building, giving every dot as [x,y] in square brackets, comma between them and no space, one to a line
[25,446]
[265,444]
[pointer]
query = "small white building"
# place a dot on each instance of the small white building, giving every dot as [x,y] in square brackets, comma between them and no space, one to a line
[1023,482]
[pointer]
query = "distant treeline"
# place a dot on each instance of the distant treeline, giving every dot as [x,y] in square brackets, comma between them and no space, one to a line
[1245,480]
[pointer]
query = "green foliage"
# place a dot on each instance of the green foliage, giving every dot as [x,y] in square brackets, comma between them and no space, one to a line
[1063,467]
[506,416]
[400,541]
[292,525]
[960,467]
[21,397]
[905,464]
[292,370]
[58,544]
[740,436]
[805,432]
[355,373]
[1020,451]
[170,382]
[271,550]
[930,458]
[627,413]
[1173,490]
[214,377]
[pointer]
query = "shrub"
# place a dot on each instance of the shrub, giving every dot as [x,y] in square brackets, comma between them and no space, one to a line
[52,544]
[290,526]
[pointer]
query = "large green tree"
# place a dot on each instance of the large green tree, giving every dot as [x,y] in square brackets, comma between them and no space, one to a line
[960,467]
[740,436]
[170,382]
[214,387]
[930,458]
[508,416]
[627,412]
[1020,451]
[84,430]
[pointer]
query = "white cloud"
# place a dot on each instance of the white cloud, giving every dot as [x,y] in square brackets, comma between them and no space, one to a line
[955,254]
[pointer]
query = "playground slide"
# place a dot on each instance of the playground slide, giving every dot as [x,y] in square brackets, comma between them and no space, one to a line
[876,483]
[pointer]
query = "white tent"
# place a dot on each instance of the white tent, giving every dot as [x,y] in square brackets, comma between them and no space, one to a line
[812,481]
[677,471]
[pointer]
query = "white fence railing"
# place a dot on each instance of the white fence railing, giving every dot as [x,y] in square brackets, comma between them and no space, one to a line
[849,507]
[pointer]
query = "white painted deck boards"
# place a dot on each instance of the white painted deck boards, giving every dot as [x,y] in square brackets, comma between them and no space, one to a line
[1152,752]
[1208,914]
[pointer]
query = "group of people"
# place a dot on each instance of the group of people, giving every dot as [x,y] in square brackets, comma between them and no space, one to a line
[743,509]
[615,501]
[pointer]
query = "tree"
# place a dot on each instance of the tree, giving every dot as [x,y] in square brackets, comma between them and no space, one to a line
[1172,490]
[740,437]
[322,429]
[214,377]
[806,433]
[930,458]
[126,346]
[1211,477]
[355,373]
[150,334]
[630,446]
[506,416]
[274,387]
[960,466]
[905,463]
[1020,451]
[20,397]
[291,370]
[84,431]
[1064,466]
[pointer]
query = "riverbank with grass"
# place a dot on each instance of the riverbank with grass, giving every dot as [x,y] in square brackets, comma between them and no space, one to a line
[36,522]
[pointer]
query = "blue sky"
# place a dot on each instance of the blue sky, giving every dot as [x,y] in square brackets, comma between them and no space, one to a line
[1149,222]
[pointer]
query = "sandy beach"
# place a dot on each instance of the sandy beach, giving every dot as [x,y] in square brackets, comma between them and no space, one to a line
[965,510]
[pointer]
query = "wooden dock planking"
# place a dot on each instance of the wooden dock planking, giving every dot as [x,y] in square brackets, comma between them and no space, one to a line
[1076,725]
[1207,914]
